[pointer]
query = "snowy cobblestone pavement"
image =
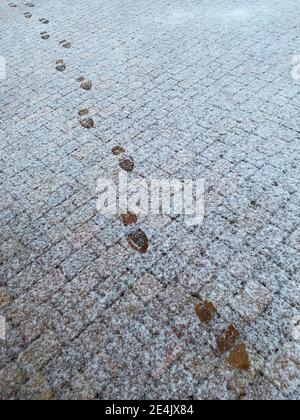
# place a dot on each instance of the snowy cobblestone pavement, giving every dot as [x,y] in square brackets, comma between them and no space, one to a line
[186,88]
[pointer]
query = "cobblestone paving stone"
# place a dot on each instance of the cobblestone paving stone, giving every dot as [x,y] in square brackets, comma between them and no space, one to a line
[187,88]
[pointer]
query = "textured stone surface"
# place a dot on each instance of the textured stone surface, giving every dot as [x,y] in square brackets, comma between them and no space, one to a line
[188,88]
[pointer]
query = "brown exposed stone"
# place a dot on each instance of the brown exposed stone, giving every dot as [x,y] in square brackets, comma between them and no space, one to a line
[227,339]
[138,241]
[129,219]
[205,311]
[238,358]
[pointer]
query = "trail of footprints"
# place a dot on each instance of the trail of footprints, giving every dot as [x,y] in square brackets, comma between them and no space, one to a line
[227,342]
[137,240]
[27,14]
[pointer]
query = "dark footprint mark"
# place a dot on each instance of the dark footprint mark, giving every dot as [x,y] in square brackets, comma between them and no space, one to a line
[87,123]
[127,164]
[227,340]
[28,15]
[138,241]
[80,79]
[29,5]
[83,112]
[65,44]
[118,150]
[205,311]
[239,358]
[44,21]
[45,35]
[86,84]
[13,5]
[60,65]
[129,219]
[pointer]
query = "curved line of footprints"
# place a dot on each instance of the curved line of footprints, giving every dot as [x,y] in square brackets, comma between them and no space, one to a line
[137,239]
[227,342]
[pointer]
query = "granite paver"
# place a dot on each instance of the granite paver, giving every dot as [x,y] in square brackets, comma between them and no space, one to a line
[156,89]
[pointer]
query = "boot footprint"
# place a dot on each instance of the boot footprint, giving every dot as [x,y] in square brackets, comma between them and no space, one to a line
[118,150]
[127,163]
[44,21]
[87,123]
[45,35]
[129,219]
[12,5]
[227,339]
[205,311]
[83,112]
[60,65]
[138,241]
[29,5]
[65,44]
[86,84]
[28,15]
